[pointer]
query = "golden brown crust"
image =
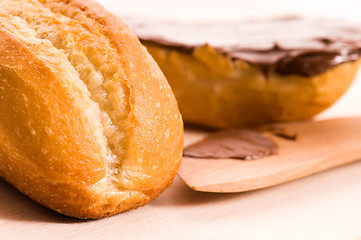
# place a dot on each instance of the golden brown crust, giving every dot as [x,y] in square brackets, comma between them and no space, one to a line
[55,144]
[215,91]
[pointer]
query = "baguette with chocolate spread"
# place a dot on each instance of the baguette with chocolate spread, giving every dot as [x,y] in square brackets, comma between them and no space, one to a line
[242,74]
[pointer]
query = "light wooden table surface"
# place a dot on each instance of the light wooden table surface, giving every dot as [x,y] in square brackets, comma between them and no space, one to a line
[323,206]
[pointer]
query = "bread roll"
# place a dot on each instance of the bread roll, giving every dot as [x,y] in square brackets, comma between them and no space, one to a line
[89,126]
[238,74]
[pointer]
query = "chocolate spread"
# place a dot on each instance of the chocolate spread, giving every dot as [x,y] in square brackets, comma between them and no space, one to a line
[304,47]
[236,143]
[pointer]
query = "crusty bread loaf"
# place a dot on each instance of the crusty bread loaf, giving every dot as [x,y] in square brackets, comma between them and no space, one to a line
[236,74]
[215,91]
[88,126]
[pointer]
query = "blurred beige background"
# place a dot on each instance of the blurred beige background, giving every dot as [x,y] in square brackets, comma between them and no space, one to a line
[235,9]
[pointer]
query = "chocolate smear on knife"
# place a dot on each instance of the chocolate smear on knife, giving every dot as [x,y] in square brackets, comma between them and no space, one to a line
[236,144]
[282,133]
